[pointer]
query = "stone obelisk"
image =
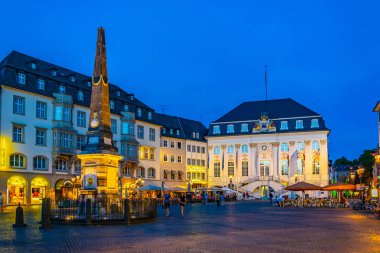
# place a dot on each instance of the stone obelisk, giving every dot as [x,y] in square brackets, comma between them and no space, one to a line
[99,158]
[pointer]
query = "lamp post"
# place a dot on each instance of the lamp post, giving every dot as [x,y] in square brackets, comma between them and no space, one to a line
[140,183]
[77,184]
[360,172]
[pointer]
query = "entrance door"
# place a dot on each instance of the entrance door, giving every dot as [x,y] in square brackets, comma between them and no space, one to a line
[264,191]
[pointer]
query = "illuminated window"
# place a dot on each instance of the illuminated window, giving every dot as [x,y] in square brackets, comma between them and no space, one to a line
[41,110]
[299,124]
[217,150]
[315,167]
[315,146]
[314,123]
[80,95]
[41,84]
[284,125]
[40,163]
[284,167]
[230,129]
[300,166]
[62,89]
[217,169]
[21,79]
[299,146]
[216,130]
[17,161]
[244,128]
[18,105]
[284,147]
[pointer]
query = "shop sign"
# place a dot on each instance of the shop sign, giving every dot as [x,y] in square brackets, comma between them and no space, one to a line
[90,182]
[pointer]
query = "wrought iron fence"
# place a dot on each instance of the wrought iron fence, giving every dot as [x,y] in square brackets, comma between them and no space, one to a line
[102,210]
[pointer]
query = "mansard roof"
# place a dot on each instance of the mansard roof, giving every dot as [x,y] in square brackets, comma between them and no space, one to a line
[275,109]
[186,127]
[21,62]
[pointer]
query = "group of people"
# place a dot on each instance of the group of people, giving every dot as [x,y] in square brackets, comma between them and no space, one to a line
[183,200]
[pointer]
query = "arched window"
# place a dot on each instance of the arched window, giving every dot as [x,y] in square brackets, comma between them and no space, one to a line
[315,146]
[152,173]
[315,167]
[217,150]
[231,168]
[140,172]
[230,149]
[40,163]
[18,161]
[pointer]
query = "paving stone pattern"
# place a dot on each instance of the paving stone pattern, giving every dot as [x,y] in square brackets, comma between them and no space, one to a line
[248,226]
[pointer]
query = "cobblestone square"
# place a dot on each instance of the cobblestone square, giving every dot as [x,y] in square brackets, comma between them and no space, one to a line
[248,226]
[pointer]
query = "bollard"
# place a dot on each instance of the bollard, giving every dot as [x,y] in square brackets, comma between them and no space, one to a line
[19,217]
[154,209]
[88,212]
[127,213]
[45,213]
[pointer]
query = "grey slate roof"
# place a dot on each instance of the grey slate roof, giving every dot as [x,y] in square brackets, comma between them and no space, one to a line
[277,110]
[186,127]
[18,62]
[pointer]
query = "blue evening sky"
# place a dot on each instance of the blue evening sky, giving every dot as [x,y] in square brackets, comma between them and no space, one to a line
[201,59]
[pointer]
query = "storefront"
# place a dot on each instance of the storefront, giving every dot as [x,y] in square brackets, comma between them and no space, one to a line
[16,190]
[39,188]
[64,189]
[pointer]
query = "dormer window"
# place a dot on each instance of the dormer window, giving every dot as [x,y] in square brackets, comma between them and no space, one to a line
[216,130]
[244,128]
[80,95]
[171,131]
[150,115]
[299,146]
[193,135]
[164,130]
[125,107]
[112,104]
[72,79]
[197,135]
[89,84]
[139,112]
[33,65]
[177,132]
[21,79]
[118,93]
[41,84]
[299,124]
[131,97]
[62,89]
[230,129]
[314,123]
[284,125]
[53,72]
[315,146]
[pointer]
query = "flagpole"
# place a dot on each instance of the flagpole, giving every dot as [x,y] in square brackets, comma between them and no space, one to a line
[266,83]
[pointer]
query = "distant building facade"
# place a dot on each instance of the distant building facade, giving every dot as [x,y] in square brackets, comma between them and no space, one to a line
[262,146]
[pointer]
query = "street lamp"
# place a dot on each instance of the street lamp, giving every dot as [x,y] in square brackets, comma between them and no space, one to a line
[77,184]
[140,183]
[360,172]
[230,181]
[295,177]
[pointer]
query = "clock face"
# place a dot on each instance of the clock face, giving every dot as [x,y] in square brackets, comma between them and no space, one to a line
[264,147]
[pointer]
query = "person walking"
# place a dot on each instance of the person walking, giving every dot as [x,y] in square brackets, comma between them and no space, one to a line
[1,202]
[217,198]
[167,203]
[271,198]
[182,203]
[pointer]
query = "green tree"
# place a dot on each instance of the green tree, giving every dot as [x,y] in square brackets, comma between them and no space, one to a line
[366,160]
[343,161]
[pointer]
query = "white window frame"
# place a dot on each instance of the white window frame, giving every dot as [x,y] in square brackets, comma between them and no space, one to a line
[284,125]
[230,129]
[244,128]
[216,129]
[299,124]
